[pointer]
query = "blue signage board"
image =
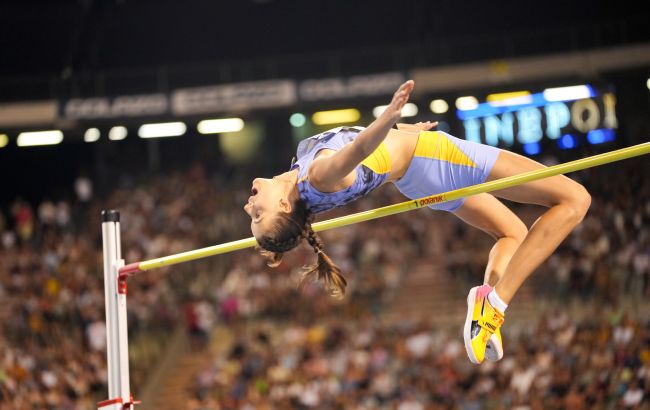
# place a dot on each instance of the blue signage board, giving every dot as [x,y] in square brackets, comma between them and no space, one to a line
[578,115]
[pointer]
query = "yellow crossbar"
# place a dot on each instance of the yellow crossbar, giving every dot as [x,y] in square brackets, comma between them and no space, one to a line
[519,179]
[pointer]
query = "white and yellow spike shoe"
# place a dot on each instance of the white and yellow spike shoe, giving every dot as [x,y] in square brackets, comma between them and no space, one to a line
[482,322]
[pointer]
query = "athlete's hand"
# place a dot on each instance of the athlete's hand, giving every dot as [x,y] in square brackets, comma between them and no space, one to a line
[417,127]
[401,96]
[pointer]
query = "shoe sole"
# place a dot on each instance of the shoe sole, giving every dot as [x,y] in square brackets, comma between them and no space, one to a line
[492,353]
[467,329]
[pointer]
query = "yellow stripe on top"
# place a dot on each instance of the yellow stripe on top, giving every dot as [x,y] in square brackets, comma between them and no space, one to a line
[432,144]
[379,160]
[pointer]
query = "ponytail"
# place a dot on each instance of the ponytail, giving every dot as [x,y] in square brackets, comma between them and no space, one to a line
[324,269]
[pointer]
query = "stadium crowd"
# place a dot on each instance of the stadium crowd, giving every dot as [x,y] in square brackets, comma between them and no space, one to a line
[53,338]
[52,333]
[601,362]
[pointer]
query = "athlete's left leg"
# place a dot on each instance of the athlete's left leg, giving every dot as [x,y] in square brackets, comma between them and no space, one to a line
[488,214]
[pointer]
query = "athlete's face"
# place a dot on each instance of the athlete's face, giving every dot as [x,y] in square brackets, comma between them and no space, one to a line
[268,198]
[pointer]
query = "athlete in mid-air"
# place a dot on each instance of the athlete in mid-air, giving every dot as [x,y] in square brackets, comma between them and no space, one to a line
[344,164]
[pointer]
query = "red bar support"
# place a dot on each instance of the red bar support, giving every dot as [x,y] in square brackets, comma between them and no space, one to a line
[124,272]
[130,269]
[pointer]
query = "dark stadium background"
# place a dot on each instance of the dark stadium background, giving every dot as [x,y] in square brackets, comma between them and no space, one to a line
[73,49]
[583,318]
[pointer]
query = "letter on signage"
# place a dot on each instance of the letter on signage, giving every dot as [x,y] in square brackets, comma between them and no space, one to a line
[557,117]
[585,115]
[500,129]
[610,120]
[530,125]
[473,130]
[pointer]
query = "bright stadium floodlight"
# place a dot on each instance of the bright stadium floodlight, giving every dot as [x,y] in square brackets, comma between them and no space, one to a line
[647,83]
[466,103]
[409,110]
[4,140]
[91,135]
[297,120]
[575,92]
[378,110]
[219,126]
[117,133]
[161,130]
[439,106]
[336,116]
[31,139]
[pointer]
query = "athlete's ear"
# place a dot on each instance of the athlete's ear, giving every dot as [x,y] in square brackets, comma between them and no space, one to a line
[285,205]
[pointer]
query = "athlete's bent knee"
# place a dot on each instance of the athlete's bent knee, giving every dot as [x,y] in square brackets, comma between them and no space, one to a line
[579,203]
[518,231]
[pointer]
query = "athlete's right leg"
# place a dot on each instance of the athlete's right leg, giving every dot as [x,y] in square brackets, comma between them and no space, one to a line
[567,201]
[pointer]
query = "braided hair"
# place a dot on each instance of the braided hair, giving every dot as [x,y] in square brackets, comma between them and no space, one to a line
[287,233]
[325,269]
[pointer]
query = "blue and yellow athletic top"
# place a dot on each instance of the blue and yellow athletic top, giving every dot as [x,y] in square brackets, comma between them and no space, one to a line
[371,173]
[440,163]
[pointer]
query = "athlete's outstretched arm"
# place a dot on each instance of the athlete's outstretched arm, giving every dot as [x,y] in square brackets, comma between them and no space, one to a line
[329,171]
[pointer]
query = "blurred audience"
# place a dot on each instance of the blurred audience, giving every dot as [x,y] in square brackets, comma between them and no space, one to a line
[52,332]
[560,363]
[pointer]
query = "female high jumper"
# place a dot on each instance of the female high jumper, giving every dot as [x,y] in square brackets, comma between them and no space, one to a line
[343,164]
